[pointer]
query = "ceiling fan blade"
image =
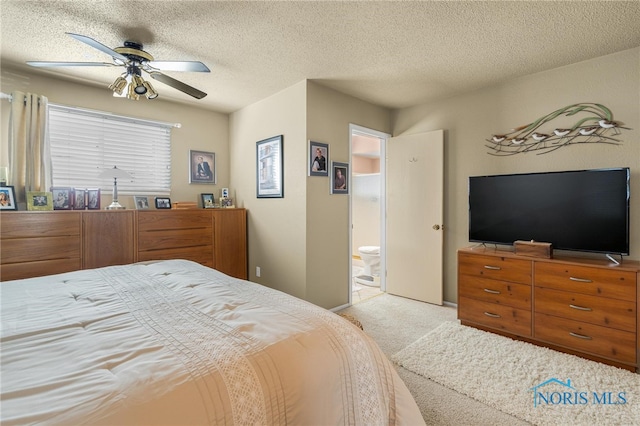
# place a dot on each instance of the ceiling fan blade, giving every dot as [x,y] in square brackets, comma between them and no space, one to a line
[190,66]
[70,64]
[170,81]
[97,45]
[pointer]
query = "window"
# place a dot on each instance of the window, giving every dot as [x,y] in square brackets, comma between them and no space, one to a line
[85,142]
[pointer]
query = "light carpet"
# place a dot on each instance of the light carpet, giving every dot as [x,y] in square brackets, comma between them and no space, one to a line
[524,380]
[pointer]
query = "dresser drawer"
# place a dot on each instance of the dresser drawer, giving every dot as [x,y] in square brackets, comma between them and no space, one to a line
[202,254]
[602,341]
[612,313]
[505,318]
[495,267]
[494,291]
[602,282]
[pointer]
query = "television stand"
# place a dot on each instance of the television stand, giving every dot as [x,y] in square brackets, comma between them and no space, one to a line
[582,306]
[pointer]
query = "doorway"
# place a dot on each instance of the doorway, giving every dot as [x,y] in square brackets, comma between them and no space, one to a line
[367,210]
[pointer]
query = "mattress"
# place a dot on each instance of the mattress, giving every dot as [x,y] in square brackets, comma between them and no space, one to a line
[175,342]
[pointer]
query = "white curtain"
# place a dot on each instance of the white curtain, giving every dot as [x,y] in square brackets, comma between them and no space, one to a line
[29,148]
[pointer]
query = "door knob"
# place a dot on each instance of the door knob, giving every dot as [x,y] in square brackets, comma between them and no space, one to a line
[436,227]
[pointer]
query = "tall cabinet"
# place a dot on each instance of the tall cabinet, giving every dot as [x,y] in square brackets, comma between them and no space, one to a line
[42,243]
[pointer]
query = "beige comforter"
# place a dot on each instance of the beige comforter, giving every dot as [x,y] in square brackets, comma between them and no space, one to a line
[176,342]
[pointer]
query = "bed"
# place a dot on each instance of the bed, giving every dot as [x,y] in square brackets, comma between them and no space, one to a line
[175,342]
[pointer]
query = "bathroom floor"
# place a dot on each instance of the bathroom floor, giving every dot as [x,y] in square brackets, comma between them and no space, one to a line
[361,292]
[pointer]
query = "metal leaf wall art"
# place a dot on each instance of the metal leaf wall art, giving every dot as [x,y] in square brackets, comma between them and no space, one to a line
[597,127]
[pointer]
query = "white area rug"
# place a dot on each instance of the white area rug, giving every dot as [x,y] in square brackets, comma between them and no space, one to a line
[536,384]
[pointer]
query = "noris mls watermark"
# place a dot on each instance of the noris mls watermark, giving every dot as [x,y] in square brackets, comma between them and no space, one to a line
[546,393]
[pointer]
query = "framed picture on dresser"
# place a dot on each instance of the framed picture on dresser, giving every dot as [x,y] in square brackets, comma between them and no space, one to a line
[62,198]
[79,202]
[93,199]
[7,198]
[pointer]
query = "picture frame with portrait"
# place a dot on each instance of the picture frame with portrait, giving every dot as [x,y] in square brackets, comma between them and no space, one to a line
[202,167]
[141,202]
[39,200]
[93,198]
[79,199]
[318,159]
[163,203]
[340,178]
[8,198]
[62,198]
[208,201]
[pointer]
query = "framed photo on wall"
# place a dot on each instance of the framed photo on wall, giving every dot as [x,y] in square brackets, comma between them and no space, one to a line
[62,198]
[39,201]
[202,167]
[318,159]
[7,198]
[141,202]
[339,178]
[269,168]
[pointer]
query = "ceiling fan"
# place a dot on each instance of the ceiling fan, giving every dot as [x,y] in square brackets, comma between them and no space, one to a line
[135,60]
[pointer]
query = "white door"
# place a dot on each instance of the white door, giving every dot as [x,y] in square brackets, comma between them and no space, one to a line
[415,186]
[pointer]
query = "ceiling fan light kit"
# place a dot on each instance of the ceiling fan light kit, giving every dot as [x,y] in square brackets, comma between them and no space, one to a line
[135,60]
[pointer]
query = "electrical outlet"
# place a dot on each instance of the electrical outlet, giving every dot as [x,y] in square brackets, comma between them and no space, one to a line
[257,271]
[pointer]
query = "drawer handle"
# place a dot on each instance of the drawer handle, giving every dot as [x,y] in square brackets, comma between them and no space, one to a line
[491,291]
[493,268]
[580,336]
[580,308]
[489,314]
[580,280]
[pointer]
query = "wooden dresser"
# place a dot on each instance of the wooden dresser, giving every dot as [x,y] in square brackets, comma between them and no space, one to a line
[587,307]
[42,243]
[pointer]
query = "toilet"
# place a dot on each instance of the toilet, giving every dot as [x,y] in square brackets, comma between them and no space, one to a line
[370,255]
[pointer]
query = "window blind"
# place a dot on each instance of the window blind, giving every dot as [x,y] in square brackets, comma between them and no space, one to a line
[85,142]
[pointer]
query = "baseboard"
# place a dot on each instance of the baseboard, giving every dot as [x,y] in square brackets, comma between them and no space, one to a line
[450,304]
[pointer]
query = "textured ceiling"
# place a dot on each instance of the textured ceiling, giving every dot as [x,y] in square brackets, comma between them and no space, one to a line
[394,54]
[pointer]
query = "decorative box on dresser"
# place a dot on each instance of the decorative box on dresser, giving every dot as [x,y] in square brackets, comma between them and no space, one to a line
[582,306]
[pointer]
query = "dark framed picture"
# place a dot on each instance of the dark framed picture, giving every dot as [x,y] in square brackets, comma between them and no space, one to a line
[62,198]
[93,199]
[207,201]
[269,168]
[79,201]
[39,201]
[339,178]
[7,198]
[318,159]
[141,202]
[202,167]
[163,203]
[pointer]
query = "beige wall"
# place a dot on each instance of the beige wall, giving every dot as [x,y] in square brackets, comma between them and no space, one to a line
[276,225]
[329,114]
[201,129]
[612,80]
[300,242]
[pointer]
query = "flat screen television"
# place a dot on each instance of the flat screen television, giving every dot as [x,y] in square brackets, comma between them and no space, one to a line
[582,210]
